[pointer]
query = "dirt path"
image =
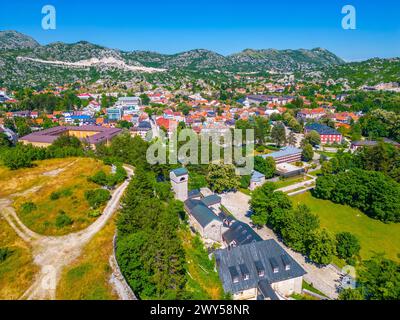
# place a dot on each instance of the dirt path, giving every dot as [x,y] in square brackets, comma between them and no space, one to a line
[52,254]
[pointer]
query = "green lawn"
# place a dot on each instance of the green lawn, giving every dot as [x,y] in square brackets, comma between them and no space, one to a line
[289,181]
[328,154]
[374,235]
[315,173]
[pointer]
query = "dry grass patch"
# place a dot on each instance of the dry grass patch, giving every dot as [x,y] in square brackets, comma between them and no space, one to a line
[18,270]
[87,278]
[203,282]
[41,210]
[21,180]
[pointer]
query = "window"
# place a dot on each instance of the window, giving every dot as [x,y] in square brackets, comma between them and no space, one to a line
[245,272]
[286,262]
[274,265]
[234,274]
[260,268]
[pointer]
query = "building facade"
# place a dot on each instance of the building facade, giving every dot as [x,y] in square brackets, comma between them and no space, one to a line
[261,270]
[286,155]
[328,134]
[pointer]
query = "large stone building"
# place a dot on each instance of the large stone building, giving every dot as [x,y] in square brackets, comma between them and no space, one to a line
[328,134]
[203,217]
[260,270]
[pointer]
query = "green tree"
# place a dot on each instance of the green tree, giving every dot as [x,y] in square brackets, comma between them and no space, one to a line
[4,141]
[67,141]
[308,153]
[322,248]
[356,132]
[312,138]
[299,228]
[351,295]
[265,201]
[379,279]
[261,129]
[16,158]
[145,99]
[123,124]
[266,166]
[347,245]
[222,178]
[278,134]
[291,139]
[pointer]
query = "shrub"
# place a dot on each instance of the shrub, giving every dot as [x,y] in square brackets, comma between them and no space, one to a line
[63,220]
[4,254]
[260,148]
[102,179]
[94,214]
[16,158]
[59,194]
[28,207]
[97,197]
[99,178]
[55,196]
[245,182]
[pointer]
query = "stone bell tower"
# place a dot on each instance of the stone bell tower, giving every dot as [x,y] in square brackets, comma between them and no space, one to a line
[179,181]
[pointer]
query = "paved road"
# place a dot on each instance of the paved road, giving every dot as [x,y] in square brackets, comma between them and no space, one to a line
[324,279]
[52,254]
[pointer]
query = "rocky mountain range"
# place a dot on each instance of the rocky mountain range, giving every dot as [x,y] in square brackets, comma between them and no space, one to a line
[23,61]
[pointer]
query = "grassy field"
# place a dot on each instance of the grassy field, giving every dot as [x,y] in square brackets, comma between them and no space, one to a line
[37,210]
[203,281]
[87,278]
[289,181]
[18,270]
[375,236]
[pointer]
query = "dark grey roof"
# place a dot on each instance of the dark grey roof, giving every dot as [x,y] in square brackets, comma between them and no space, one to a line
[257,176]
[267,290]
[225,217]
[194,194]
[211,200]
[321,129]
[241,233]
[144,125]
[261,251]
[284,152]
[180,172]
[203,215]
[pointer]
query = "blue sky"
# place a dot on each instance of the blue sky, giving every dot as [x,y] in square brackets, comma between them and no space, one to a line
[225,26]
